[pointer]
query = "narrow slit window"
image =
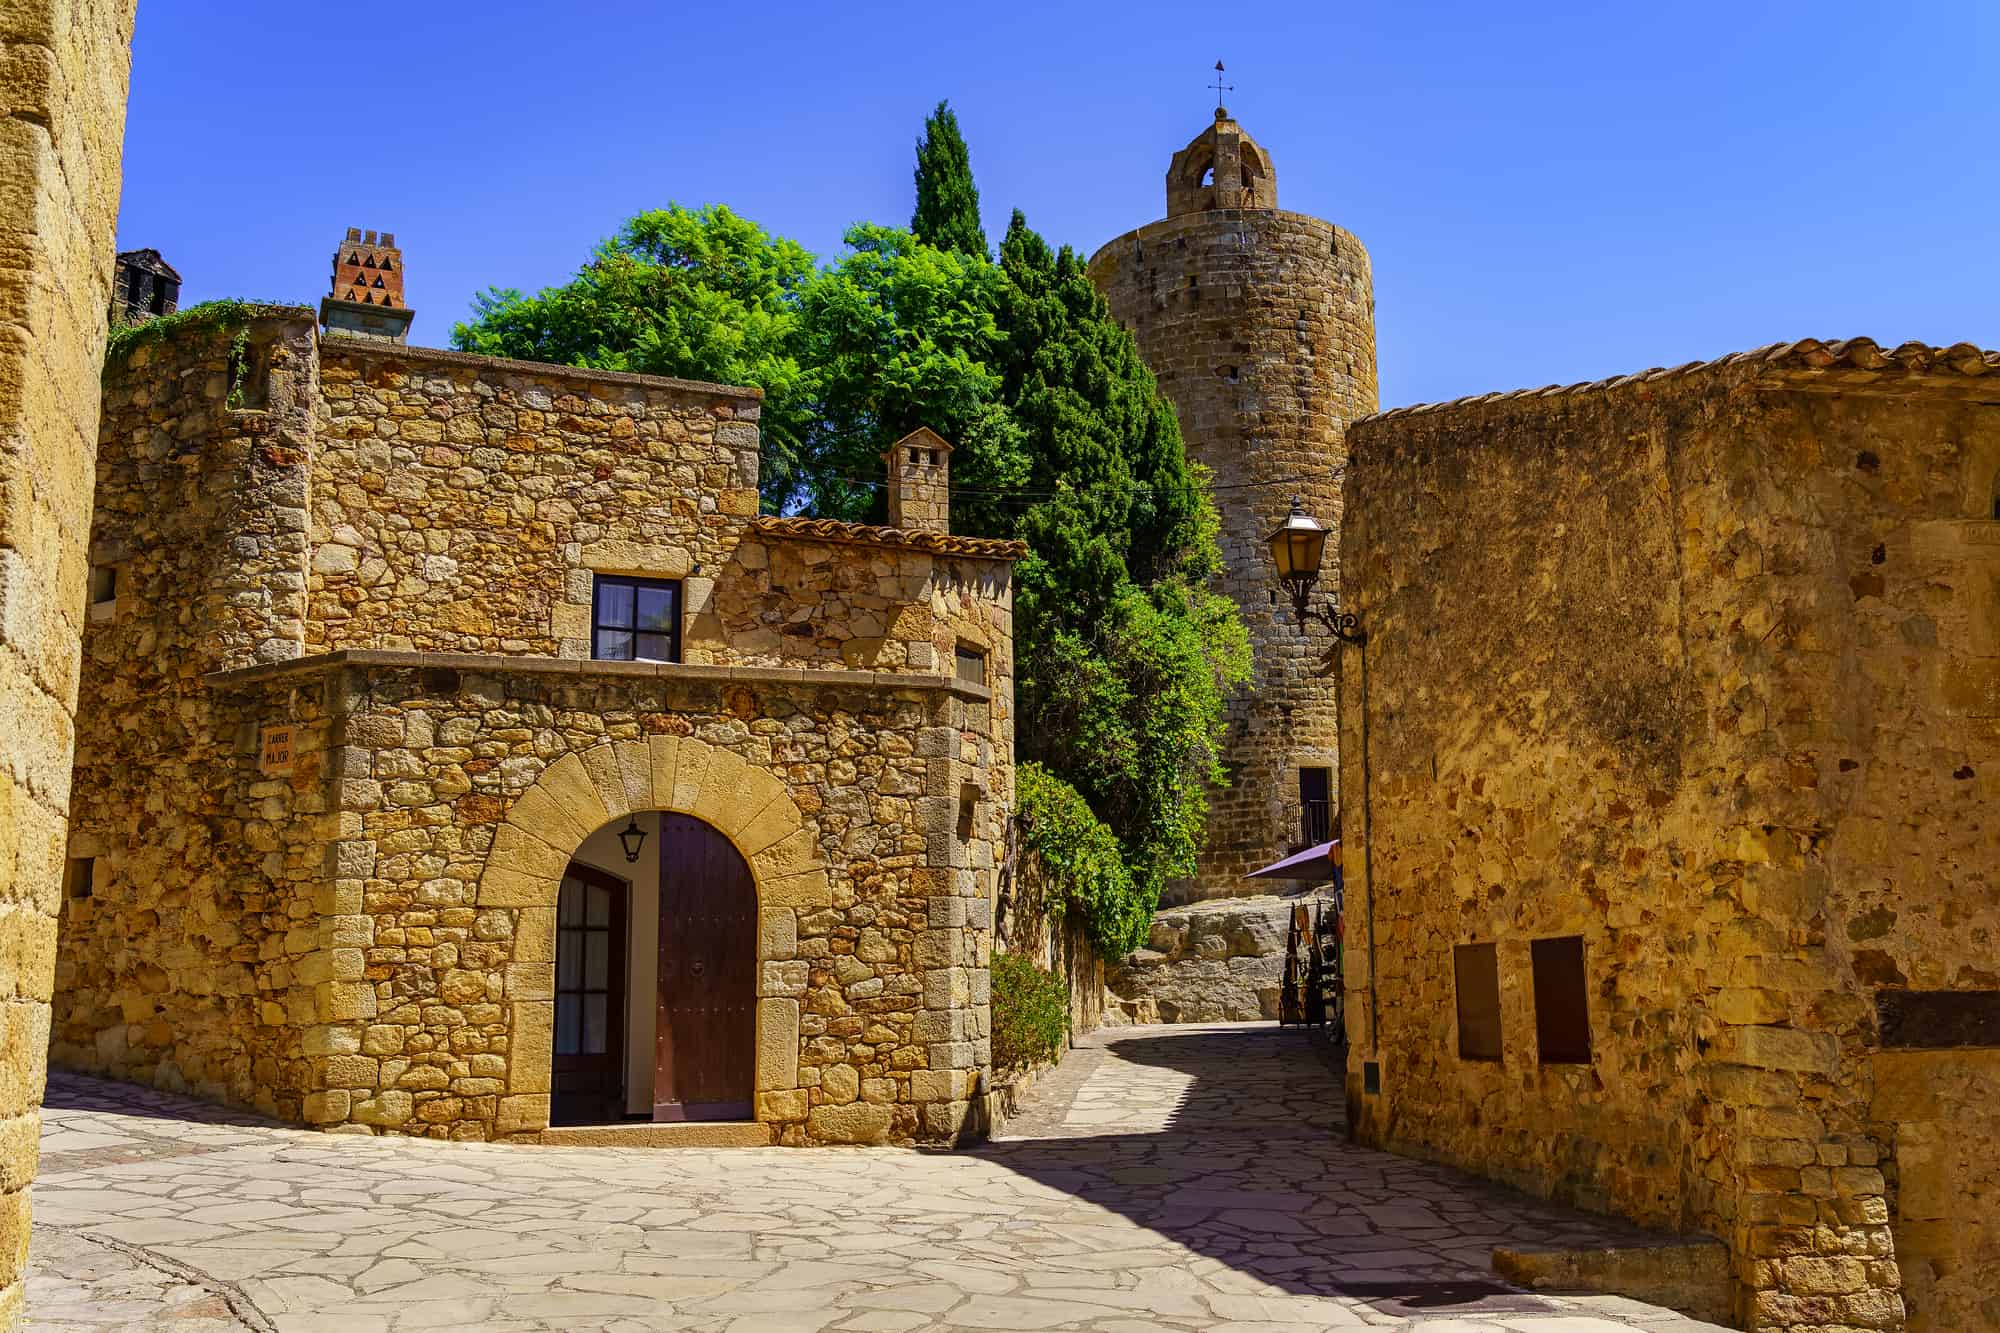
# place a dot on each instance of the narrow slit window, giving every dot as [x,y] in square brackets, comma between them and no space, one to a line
[1562,1007]
[82,876]
[635,620]
[103,583]
[1477,974]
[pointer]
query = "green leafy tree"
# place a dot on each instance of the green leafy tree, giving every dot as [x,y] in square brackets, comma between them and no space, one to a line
[947,213]
[700,293]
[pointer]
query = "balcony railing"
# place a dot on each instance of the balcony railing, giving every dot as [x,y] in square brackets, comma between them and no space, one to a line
[1316,822]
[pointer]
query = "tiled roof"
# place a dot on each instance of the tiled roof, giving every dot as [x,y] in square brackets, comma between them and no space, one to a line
[1848,360]
[866,534]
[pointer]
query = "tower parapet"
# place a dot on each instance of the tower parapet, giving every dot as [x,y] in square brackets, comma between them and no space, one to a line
[1260,326]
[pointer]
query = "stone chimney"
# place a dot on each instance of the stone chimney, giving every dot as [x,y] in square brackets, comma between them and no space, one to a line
[366,300]
[143,286]
[920,482]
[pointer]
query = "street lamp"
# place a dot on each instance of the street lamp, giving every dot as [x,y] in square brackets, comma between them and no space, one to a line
[1298,548]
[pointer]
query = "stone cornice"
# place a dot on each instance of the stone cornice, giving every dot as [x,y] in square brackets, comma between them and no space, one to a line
[489,664]
[868,534]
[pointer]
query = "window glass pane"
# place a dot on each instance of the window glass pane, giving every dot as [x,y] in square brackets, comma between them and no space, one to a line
[600,906]
[655,648]
[569,958]
[566,1025]
[597,960]
[614,603]
[569,907]
[656,609]
[594,1034]
[614,645]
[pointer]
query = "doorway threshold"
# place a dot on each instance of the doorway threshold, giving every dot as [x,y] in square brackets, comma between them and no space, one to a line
[661,1134]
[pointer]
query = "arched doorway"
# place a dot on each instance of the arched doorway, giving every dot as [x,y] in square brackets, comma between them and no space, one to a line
[656,972]
[705,1042]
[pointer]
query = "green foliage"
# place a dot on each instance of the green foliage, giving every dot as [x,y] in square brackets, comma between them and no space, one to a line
[947,214]
[209,317]
[1124,654]
[699,293]
[1082,857]
[1030,1013]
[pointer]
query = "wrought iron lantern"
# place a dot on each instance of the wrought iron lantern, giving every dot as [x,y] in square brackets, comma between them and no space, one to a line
[1298,548]
[633,837]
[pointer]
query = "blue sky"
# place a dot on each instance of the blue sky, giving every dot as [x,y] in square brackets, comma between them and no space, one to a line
[1549,192]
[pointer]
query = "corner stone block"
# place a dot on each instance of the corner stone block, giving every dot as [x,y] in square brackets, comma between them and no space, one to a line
[777,1045]
[519,851]
[537,814]
[531,981]
[690,767]
[601,762]
[530,1046]
[535,935]
[858,1122]
[567,782]
[777,935]
[502,887]
[635,769]
[663,757]
[344,1001]
[792,855]
[724,800]
[1779,1048]
[804,891]
[522,1114]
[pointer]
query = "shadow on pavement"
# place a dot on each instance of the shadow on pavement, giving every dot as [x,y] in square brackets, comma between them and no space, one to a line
[1232,1142]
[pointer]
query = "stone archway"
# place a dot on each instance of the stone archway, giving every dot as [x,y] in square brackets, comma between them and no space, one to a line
[581,792]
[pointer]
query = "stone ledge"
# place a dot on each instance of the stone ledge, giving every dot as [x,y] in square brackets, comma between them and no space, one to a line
[660,1134]
[370,347]
[387,659]
[1690,1274]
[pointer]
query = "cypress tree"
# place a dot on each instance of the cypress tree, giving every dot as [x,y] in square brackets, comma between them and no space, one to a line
[947,213]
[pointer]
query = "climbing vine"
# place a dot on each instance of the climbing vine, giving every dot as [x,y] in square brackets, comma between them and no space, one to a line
[1082,862]
[208,319]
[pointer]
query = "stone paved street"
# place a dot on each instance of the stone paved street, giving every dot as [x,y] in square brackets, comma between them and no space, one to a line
[1162,1179]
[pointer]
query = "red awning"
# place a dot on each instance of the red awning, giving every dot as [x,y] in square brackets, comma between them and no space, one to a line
[1314,863]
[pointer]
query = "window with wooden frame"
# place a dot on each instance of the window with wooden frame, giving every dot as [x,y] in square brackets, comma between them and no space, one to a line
[1476,969]
[635,620]
[970,664]
[1562,1003]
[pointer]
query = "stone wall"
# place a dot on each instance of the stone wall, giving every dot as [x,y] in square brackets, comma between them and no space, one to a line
[1696,686]
[1210,962]
[64,66]
[354,937]
[1260,326]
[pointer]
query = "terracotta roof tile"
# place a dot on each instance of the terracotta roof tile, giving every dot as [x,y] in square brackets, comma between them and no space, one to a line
[1807,355]
[867,534]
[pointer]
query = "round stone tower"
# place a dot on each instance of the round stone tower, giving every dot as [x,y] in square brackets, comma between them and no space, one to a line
[1260,326]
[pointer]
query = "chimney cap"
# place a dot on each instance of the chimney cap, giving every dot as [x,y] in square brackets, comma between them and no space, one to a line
[923,437]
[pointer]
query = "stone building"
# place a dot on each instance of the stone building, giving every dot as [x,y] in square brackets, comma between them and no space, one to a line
[1260,326]
[461,754]
[1678,734]
[61,133]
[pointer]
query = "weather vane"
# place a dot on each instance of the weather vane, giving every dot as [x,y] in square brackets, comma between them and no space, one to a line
[1220,86]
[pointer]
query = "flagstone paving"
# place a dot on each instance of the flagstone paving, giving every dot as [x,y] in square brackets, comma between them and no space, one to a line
[1189,1178]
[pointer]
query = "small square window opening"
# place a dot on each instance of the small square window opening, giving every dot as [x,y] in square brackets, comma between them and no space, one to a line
[970,664]
[635,620]
[103,583]
[82,876]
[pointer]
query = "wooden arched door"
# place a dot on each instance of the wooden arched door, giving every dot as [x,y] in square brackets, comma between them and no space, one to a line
[705,1063]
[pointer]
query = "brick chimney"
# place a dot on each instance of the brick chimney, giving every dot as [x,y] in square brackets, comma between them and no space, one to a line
[366,300]
[920,482]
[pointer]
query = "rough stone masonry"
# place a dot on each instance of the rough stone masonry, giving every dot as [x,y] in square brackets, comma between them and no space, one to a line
[1678,729]
[63,67]
[388,554]
[1260,326]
